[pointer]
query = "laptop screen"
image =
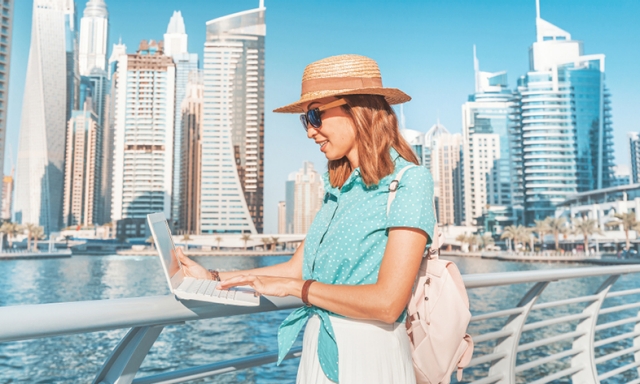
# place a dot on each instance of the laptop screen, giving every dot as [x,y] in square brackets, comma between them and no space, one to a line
[164,244]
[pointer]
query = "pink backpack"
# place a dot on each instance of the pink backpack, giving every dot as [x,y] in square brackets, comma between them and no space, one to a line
[437,315]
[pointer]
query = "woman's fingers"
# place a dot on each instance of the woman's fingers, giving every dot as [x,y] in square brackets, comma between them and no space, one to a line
[238,281]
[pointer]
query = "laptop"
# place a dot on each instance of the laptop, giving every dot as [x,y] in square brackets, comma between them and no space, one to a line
[189,288]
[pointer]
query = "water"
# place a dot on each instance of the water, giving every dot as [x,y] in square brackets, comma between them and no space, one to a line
[77,358]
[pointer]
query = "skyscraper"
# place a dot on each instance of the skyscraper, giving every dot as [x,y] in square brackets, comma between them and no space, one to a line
[565,109]
[442,157]
[71,47]
[191,155]
[39,173]
[233,124]
[5,60]
[82,168]
[94,34]
[491,147]
[308,192]
[282,217]
[143,133]
[175,46]
[634,152]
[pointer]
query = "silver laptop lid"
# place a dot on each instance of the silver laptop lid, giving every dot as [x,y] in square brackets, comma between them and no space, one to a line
[166,249]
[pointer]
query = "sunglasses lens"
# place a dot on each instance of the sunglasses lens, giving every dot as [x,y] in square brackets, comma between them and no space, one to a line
[314,118]
[303,120]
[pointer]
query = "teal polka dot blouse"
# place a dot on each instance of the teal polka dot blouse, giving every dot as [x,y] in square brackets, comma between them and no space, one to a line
[346,242]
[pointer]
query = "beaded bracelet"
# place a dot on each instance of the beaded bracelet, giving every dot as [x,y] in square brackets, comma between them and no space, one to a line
[215,275]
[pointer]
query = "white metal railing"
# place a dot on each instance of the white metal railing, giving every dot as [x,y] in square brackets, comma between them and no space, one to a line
[512,342]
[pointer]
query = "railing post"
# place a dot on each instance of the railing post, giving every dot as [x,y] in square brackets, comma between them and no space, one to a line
[509,344]
[636,343]
[586,358]
[125,360]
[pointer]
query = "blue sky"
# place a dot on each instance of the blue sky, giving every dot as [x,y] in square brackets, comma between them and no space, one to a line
[424,47]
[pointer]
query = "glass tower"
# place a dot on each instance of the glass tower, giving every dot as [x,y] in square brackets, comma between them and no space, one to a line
[565,110]
[5,59]
[233,124]
[41,148]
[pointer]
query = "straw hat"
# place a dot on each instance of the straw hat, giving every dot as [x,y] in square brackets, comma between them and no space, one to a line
[343,75]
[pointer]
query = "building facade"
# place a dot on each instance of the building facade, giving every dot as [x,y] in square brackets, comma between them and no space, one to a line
[7,197]
[634,156]
[143,133]
[175,46]
[308,192]
[191,155]
[6,6]
[94,37]
[82,169]
[567,133]
[493,169]
[233,124]
[282,217]
[447,161]
[40,166]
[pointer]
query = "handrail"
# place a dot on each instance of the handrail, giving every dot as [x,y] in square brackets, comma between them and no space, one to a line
[496,349]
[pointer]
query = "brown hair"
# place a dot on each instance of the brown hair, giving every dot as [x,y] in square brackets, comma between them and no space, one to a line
[377,131]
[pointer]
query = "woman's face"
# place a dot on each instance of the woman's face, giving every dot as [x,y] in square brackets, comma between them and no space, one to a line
[336,137]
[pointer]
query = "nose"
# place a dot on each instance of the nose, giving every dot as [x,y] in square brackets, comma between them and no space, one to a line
[311,131]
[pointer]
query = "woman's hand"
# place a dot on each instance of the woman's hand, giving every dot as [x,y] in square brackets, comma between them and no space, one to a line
[191,268]
[266,285]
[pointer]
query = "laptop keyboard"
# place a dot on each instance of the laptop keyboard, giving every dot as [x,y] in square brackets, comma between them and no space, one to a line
[208,288]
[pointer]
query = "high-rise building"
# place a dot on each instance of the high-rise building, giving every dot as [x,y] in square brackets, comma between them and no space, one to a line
[143,133]
[446,161]
[491,147]
[233,124]
[175,46]
[282,217]
[634,149]
[82,168]
[39,172]
[71,49]
[308,192]
[108,127]
[191,155]
[416,141]
[567,133]
[289,202]
[94,35]
[5,61]
[7,193]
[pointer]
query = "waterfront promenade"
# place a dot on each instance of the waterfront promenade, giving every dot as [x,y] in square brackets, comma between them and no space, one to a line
[110,319]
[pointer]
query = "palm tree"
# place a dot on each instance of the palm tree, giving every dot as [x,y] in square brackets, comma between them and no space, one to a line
[218,240]
[30,229]
[626,219]
[516,234]
[586,227]
[462,238]
[37,234]
[274,243]
[151,241]
[266,241]
[484,240]
[186,239]
[541,227]
[557,226]
[11,230]
[473,241]
[245,237]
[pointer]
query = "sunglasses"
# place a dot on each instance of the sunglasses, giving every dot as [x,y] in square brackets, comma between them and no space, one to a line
[312,116]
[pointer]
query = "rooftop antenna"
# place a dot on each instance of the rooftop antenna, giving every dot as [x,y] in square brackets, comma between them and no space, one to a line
[261,3]
[537,9]
[476,69]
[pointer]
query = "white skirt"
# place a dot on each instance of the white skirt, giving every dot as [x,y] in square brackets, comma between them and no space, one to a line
[368,352]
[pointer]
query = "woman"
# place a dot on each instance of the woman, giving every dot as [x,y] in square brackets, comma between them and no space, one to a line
[357,265]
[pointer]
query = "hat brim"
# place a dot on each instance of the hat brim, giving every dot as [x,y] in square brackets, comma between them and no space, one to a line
[392,95]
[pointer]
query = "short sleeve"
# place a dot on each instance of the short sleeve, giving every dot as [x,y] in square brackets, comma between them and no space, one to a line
[413,204]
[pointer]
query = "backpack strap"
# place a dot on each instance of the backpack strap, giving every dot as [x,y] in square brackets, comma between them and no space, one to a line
[393,186]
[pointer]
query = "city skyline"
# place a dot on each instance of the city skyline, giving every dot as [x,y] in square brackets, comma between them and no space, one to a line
[399,60]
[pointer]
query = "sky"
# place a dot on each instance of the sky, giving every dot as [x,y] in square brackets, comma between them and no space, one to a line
[424,47]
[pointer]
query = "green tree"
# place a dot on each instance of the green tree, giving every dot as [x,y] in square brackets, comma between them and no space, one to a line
[186,239]
[266,241]
[245,237]
[557,226]
[542,227]
[586,227]
[30,227]
[218,240]
[274,243]
[462,238]
[628,222]
[516,234]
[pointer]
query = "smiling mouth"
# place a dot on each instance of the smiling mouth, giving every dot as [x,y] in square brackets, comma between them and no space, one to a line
[322,143]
